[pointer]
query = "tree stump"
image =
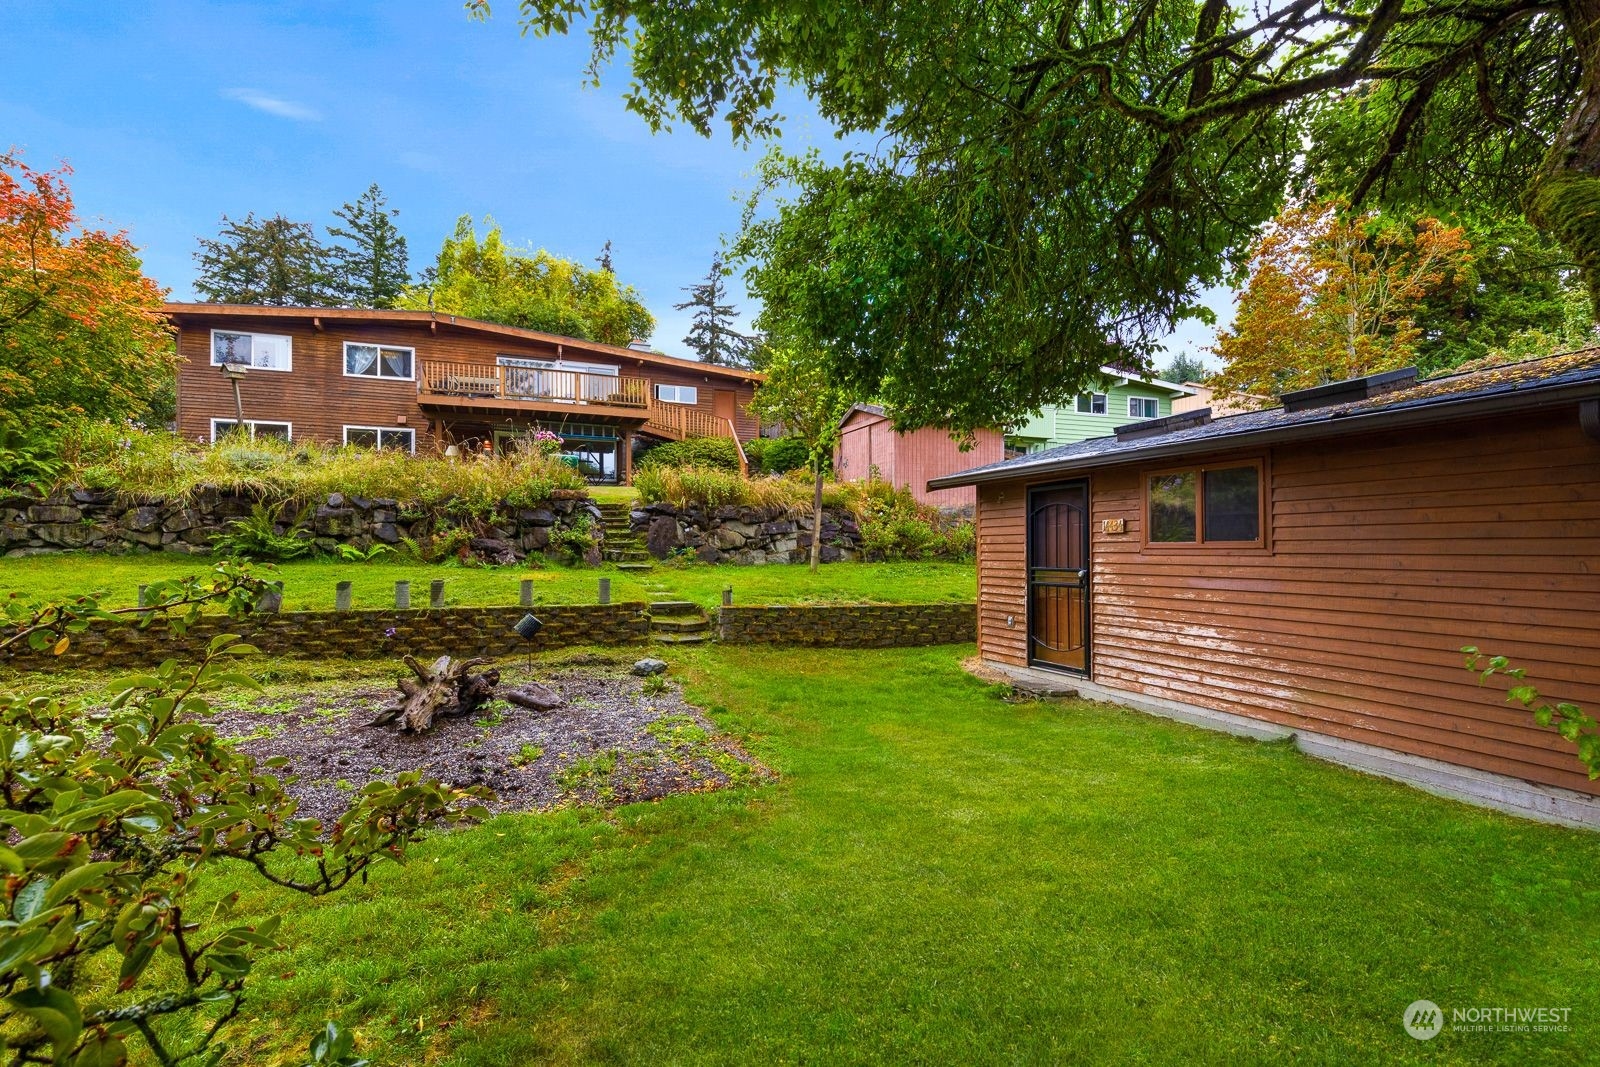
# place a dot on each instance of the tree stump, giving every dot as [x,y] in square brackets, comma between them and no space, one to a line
[445,688]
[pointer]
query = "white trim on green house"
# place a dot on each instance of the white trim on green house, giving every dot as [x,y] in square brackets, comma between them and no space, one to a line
[1087,417]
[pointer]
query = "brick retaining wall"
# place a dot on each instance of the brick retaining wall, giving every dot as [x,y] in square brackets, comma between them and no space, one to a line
[354,635]
[850,625]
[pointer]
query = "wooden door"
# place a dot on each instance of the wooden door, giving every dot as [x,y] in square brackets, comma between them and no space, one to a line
[1058,576]
[724,404]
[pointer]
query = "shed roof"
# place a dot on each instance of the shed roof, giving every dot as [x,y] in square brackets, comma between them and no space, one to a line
[437,318]
[1561,378]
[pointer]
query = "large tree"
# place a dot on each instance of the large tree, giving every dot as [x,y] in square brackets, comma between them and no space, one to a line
[368,261]
[81,330]
[1053,182]
[1333,295]
[483,278]
[711,333]
[274,261]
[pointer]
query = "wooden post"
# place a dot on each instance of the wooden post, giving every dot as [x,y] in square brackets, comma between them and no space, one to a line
[727,596]
[605,590]
[436,594]
[527,593]
[625,460]
[142,590]
[402,595]
[341,597]
[272,600]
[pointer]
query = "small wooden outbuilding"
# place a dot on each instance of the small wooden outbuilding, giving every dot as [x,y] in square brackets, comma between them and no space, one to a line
[871,449]
[1315,569]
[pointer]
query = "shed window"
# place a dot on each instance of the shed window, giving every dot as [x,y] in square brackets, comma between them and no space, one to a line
[1092,404]
[1205,505]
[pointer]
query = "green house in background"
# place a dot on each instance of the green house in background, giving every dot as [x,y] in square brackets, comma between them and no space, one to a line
[1119,400]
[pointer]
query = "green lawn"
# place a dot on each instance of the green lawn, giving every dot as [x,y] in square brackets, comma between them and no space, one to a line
[944,877]
[311,585]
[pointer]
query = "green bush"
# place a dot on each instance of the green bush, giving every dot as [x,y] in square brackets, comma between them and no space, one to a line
[265,536]
[715,453]
[783,454]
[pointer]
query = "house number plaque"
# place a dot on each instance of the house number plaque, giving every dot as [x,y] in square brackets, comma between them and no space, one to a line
[1114,526]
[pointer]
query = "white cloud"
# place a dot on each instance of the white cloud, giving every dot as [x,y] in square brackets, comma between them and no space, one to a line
[273,105]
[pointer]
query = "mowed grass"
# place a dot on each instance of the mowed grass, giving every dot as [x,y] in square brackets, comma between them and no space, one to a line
[941,876]
[310,585]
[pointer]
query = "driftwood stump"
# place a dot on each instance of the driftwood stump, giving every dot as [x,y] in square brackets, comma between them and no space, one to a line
[533,696]
[445,688]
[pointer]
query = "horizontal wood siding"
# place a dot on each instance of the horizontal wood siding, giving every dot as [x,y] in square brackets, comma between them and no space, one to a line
[319,400]
[1002,573]
[912,459]
[1387,555]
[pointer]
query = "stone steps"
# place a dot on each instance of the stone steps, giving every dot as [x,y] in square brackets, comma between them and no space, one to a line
[679,622]
[622,546]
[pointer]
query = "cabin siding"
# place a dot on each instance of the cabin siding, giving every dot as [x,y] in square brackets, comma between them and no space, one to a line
[1387,555]
[319,400]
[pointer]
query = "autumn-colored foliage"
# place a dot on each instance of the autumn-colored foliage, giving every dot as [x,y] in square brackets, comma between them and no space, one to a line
[1331,296]
[81,330]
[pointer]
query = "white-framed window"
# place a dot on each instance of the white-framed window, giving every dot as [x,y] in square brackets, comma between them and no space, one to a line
[401,437]
[260,351]
[677,394]
[1092,404]
[283,431]
[1144,407]
[378,361]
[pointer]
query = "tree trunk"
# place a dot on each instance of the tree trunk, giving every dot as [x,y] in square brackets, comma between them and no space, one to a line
[816,520]
[1564,200]
[445,688]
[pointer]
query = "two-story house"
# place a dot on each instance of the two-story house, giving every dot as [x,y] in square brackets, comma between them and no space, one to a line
[422,381]
[1117,400]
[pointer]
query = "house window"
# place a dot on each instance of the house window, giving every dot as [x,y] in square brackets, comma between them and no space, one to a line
[381,437]
[678,394]
[1092,404]
[1144,407]
[1205,505]
[262,351]
[377,361]
[221,428]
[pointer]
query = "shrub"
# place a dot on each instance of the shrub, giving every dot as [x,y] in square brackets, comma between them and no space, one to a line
[710,488]
[265,536]
[894,525]
[715,453]
[785,454]
[115,816]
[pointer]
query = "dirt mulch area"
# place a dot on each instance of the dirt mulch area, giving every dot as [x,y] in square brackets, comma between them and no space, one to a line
[610,742]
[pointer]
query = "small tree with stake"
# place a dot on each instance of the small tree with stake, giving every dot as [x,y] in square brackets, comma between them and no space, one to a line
[113,816]
[799,393]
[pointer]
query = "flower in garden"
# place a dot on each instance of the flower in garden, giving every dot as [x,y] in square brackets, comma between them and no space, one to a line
[389,632]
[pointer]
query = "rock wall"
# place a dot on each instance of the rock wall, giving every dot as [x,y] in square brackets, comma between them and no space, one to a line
[744,535]
[351,635]
[102,521]
[850,625]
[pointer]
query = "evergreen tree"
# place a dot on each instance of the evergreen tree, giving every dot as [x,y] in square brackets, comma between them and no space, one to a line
[712,335]
[604,258]
[370,266]
[1185,368]
[275,262]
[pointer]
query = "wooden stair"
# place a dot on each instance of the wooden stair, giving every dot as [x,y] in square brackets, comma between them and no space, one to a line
[679,422]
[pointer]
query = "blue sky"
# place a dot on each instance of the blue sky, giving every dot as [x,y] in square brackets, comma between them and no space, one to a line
[173,114]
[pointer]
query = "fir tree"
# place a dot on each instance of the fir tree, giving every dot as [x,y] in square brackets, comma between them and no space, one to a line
[712,335]
[370,266]
[604,258]
[275,262]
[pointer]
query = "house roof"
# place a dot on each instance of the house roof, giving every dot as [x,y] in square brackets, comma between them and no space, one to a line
[1122,375]
[494,329]
[1571,376]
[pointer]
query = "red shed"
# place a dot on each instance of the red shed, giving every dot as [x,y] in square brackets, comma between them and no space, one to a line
[869,448]
[1315,570]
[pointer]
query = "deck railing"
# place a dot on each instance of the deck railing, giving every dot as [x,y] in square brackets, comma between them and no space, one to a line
[539,384]
[680,421]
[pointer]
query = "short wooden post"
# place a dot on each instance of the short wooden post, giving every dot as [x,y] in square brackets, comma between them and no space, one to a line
[727,596]
[402,595]
[527,593]
[342,597]
[271,601]
[143,589]
[436,594]
[605,590]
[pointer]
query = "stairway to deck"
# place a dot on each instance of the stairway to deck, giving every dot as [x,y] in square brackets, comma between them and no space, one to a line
[622,546]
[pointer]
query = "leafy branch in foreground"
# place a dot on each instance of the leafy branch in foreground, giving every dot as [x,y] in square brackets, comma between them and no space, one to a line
[1569,720]
[113,814]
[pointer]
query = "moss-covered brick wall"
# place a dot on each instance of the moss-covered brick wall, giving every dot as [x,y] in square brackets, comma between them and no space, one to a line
[850,625]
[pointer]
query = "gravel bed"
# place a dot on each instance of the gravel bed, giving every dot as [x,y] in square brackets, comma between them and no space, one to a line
[609,742]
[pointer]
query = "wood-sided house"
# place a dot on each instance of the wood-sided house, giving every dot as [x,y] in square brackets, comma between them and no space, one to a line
[1315,569]
[419,381]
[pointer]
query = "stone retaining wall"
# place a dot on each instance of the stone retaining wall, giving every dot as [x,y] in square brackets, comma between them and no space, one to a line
[386,634]
[850,625]
[734,534]
[101,521]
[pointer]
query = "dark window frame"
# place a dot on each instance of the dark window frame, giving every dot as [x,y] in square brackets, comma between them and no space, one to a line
[1261,545]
